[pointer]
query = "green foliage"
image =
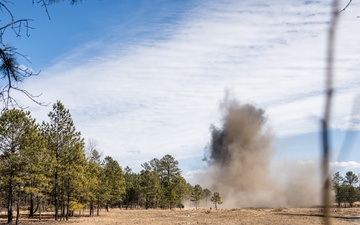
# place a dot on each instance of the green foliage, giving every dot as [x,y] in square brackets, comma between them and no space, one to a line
[112,182]
[216,199]
[338,188]
[150,188]
[207,195]
[76,206]
[181,191]
[172,184]
[169,174]
[23,159]
[350,181]
[344,188]
[67,149]
[48,163]
[196,195]
[133,187]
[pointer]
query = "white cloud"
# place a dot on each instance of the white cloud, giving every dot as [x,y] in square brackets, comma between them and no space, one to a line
[350,126]
[157,96]
[346,165]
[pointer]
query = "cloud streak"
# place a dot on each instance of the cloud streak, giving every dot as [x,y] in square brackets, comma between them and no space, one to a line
[154,96]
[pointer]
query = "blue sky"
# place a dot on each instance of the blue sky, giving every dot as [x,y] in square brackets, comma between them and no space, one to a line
[145,78]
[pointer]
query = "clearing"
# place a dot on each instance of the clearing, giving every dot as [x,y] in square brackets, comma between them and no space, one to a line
[249,216]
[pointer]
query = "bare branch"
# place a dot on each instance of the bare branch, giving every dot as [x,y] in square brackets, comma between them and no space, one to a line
[14,73]
[15,25]
[45,5]
[10,101]
[11,72]
[31,96]
[346,6]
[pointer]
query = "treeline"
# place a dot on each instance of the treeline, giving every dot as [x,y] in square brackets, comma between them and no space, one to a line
[45,167]
[346,189]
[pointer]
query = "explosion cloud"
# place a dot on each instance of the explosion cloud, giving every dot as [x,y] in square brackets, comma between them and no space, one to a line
[239,157]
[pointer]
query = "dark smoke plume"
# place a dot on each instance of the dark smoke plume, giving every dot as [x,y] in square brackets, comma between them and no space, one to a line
[239,157]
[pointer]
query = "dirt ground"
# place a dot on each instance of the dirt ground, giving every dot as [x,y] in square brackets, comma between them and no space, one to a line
[254,216]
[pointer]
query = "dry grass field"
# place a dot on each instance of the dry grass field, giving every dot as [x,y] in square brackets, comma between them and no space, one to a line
[291,216]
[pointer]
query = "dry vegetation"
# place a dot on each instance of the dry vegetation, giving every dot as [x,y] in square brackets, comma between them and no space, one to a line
[254,216]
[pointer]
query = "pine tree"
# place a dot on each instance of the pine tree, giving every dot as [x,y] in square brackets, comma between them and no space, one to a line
[349,183]
[39,171]
[112,182]
[207,195]
[338,188]
[196,195]
[133,188]
[150,188]
[92,174]
[216,199]
[75,180]
[172,185]
[23,157]
[67,148]
[181,191]
[169,173]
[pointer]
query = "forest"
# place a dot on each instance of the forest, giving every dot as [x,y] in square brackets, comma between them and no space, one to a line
[346,189]
[47,168]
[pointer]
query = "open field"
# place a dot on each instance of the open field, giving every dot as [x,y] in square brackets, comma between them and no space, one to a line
[207,217]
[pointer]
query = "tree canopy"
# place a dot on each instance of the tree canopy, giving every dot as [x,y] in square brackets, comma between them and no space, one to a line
[47,168]
[345,188]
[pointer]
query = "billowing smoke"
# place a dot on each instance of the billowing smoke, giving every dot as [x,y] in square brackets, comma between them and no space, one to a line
[239,157]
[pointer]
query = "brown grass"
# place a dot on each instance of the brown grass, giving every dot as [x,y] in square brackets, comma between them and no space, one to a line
[209,217]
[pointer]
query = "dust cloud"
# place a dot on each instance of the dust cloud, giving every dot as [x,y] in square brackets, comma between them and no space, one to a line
[241,166]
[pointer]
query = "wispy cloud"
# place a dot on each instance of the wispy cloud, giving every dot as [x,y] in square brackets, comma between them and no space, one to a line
[158,95]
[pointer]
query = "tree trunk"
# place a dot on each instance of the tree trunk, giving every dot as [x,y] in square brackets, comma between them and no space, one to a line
[98,208]
[18,209]
[39,206]
[68,201]
[31,213]
[91,207]
[63,209]
[63,202]
[56,193]
[10,198]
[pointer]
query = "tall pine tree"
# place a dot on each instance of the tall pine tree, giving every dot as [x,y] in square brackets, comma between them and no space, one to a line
[21,167]
[67,149]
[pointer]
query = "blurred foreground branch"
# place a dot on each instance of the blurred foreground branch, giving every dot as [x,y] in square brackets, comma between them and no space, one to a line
[328,102]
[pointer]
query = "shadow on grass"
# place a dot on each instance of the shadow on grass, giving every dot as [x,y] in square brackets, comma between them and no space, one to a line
[45,219]
[322,215]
